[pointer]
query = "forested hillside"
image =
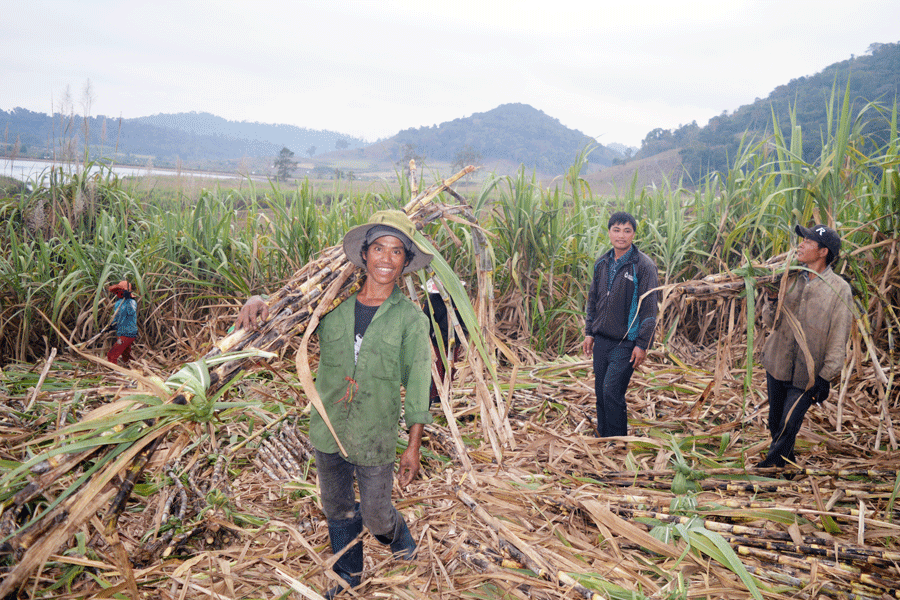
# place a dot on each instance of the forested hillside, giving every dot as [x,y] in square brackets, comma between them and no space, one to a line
[299,139]
[874,77]
[517,133]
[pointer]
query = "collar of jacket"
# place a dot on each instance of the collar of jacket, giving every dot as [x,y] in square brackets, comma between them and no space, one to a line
[611,254]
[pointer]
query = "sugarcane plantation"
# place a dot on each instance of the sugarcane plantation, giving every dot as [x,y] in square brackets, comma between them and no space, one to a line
[512,389]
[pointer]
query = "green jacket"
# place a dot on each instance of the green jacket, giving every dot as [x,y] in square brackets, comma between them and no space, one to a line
[395,352]
[822,306]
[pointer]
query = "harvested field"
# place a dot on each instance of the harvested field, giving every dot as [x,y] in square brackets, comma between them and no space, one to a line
[228,509]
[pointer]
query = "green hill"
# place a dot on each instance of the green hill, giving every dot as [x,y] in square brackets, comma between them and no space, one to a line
[874,77]
[511,134]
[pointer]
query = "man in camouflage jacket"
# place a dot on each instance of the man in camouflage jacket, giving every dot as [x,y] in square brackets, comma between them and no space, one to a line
[815,317]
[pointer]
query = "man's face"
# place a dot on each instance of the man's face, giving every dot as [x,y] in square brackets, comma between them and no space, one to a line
[621,235]
[385,259]
[808,251]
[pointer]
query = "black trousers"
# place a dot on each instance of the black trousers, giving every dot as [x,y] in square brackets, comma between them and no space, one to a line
[787,408]
[612,372]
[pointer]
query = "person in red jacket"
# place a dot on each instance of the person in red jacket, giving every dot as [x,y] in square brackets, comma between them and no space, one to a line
[124,322]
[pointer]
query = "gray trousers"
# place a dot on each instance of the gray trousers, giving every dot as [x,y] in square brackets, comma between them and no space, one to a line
[375,486]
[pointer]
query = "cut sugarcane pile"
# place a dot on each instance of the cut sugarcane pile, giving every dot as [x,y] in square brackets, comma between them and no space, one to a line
[563,515]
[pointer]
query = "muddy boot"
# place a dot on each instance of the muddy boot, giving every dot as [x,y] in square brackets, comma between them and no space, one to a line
[349,566]
[402,545]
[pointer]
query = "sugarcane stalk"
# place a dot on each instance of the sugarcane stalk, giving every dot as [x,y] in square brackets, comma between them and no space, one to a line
[61,523]
[524,553]
[773,539]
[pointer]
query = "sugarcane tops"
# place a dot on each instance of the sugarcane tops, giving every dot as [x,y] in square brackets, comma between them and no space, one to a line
[362,397]
[821,305]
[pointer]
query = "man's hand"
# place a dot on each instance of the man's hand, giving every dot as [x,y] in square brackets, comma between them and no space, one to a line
[254,308]
[588,345]
[819,390]
[411,459]
[637,357]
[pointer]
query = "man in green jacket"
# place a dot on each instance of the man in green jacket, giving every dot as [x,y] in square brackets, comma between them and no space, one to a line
[370,345]
[815,318]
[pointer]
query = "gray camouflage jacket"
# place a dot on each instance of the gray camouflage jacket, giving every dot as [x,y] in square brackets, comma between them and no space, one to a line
[822,306]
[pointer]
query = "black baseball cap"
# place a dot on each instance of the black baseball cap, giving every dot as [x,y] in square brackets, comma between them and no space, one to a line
[826,236]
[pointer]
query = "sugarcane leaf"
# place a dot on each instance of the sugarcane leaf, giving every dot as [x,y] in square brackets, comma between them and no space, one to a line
[460,298]
[714,545]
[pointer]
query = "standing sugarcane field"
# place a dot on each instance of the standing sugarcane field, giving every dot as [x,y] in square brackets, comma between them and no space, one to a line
[187,472]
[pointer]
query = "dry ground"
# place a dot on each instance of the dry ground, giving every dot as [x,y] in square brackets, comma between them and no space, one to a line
[560,514]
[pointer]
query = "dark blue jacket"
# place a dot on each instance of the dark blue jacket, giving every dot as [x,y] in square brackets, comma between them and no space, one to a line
[608,308]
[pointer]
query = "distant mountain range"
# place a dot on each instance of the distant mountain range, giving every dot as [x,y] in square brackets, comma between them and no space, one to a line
[191,140]
[506,137]
[512,133]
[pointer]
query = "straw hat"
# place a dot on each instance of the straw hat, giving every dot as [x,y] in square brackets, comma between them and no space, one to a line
[386,222]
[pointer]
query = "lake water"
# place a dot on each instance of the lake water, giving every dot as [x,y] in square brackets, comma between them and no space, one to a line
[31,170]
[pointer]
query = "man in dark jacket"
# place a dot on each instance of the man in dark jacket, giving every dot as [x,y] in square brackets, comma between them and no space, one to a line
[620,320]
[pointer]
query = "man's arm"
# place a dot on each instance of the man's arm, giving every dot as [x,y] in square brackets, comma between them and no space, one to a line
[588,344]
[648,279]
[411,459]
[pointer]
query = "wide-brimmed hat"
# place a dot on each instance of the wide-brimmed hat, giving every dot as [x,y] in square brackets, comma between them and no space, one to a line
[823,234]
[386,222]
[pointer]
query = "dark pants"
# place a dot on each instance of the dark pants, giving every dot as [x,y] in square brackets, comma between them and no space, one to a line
[435,397]
[375,486]
[787,408]
[122,348]
[612,372]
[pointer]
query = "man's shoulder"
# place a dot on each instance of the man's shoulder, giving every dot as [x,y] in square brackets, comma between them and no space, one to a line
[406,305]
[603,257]
[836,282]
[644,259]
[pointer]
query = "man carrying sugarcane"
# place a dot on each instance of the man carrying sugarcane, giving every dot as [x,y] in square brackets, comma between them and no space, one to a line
[370,345]
[619,322]
[813,324]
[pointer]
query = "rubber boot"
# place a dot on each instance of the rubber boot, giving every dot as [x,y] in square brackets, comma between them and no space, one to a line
[402,545]
[350,565]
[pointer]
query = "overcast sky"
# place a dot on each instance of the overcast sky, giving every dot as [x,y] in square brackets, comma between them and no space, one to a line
[613,70]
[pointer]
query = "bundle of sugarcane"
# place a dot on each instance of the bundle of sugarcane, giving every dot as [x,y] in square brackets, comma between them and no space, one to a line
[292,307]
[768,273]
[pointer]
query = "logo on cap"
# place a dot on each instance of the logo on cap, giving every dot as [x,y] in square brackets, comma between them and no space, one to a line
[821,230]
